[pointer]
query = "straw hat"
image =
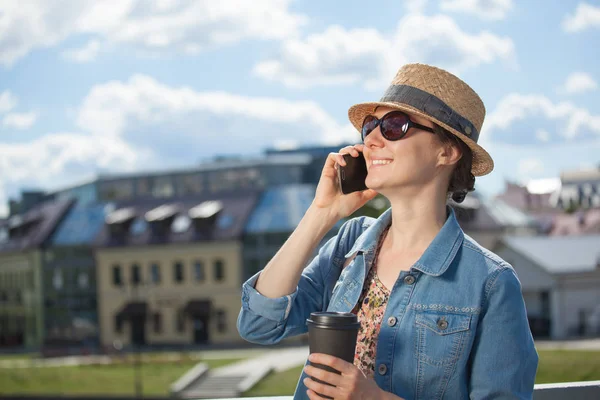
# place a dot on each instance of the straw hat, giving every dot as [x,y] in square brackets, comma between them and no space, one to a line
[440,97]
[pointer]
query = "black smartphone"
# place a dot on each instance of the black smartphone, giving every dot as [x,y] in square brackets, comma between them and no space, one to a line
[352,176]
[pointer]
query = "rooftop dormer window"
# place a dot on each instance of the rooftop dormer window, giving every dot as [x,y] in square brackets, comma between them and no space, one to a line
[161,218]
[205,214]
[119,221]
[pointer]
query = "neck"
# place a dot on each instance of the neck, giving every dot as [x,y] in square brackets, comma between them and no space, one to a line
[416,220]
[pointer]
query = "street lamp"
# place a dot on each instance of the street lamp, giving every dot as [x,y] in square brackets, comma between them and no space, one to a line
[137,365]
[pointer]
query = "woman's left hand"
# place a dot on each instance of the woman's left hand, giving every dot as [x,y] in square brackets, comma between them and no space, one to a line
[351,384]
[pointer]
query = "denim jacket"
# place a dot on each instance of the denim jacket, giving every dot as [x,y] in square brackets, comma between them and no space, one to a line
[455,326]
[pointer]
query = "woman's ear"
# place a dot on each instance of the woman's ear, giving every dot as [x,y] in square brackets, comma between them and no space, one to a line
[449,154]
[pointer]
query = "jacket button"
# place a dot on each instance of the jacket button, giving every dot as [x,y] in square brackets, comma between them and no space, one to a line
[382,369]
[442,324]
[409,279]
[392,321]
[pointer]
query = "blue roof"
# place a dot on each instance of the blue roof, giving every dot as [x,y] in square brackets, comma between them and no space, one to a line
[281,208]
[80,226]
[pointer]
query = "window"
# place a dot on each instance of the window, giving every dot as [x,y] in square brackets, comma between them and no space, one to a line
[83,280]
[135,274]
[18,297]
[199,271]
[138,226]
[189,184]
[116,275]
[181,223]
[143,186]
[118,324]
[221,321]
[157,323]
[178,272]
[57,279]
[155,273]
[219,270]
[180,321]
[225,221]
[163,187]
[116,190]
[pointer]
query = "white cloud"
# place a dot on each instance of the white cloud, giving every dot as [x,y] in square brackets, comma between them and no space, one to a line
[578,82]
[530,166]
[19,120]
[8,101]
[485,9]
[542,135]
[416,6]
[336,56]
[61,159]
[142,124]
[84,54]
[514,110]
[585,16]
[341,56]
[154,26]
[113,108]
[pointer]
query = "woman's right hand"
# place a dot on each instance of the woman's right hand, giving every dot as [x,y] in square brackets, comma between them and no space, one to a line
[329,195]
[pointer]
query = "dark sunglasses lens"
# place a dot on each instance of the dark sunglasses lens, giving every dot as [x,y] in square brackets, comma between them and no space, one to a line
[394,126]
[369,123]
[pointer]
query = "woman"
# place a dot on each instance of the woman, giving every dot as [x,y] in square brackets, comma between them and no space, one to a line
[441,317]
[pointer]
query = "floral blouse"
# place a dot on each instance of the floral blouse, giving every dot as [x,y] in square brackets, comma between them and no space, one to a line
[370,310]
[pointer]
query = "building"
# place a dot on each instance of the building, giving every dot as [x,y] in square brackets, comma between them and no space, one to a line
[274,218]
[210,178]
[580,189]
[560,279]
[69,274]
[487,220]
[170,272]
[533,198]
[23,245]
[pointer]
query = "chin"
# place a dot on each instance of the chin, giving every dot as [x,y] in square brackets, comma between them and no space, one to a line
[374,184]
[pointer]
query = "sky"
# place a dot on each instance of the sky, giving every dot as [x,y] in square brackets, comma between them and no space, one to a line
[90,87]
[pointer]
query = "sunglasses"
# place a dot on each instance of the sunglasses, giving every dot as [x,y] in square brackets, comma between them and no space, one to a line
[393,125]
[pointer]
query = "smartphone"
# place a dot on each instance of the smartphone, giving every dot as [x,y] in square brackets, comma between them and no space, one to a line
[352,176]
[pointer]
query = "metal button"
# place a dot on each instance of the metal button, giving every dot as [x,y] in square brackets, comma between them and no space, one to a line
[468,130]
[442,324]
[392,321]
[382,369]
[409,279]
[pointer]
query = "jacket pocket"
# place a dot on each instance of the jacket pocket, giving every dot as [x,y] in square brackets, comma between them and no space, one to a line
[440,336]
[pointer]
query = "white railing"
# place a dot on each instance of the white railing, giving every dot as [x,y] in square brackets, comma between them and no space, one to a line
[551,391]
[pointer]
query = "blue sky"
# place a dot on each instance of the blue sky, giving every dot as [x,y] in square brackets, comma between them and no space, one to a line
[126,85]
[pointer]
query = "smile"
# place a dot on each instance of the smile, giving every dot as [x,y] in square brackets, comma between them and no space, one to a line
[381,162]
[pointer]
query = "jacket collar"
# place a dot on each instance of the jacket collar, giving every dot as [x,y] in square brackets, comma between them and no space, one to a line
[438,256]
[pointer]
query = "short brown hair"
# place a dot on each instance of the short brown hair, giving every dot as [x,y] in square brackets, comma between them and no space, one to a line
[462,180]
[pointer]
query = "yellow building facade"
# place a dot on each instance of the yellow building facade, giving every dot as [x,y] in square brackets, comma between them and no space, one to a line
[179,294]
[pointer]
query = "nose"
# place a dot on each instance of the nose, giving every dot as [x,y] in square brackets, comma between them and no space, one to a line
[374,139]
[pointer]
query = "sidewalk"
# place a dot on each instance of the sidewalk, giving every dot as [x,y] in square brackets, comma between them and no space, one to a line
[71,361]
[581,344]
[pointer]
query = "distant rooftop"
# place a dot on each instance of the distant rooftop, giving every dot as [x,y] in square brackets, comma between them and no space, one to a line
[34,227]
[588,174]
[80,226]
[559,254]
[228,163]
[280,209]
[175,222]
